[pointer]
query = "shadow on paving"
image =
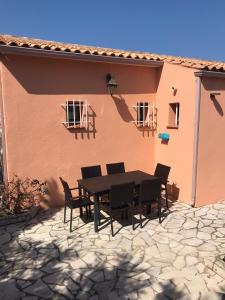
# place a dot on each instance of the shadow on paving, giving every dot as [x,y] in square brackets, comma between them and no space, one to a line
[56,267]
[48,272]
[37,260]
[126,219]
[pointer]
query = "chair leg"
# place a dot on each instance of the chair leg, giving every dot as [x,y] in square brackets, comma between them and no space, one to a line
[71,218]
[89,211]
[86,209]
[149,209]
[80,194]
[64,220]
[81,212]
[167,204]
[99,213]
[111,223]
[140,213]
[159,209]
[132,212]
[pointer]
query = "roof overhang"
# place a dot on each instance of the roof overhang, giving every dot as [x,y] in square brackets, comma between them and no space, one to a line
[4,49]
[210,74]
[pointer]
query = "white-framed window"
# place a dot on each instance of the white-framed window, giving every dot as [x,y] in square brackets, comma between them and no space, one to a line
[76,114]
[174,115]
[145,114]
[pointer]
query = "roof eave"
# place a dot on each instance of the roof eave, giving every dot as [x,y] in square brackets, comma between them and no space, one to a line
[204,73]
[5,49]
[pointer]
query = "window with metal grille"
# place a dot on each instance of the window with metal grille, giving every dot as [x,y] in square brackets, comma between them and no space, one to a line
[142,112]
[76,114]
[145,114]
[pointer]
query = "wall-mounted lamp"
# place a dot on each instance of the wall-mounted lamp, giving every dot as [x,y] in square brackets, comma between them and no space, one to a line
[111,83]
[174,90]
[214,94]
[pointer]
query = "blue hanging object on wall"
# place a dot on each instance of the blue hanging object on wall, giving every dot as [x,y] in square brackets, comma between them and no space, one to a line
[164,136]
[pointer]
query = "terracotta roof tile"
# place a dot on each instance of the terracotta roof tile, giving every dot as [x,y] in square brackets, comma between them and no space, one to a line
[15,41]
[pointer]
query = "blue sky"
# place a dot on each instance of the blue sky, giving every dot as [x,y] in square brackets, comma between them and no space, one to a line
[193,28]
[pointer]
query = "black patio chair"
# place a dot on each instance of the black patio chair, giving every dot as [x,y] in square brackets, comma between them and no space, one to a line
[115,168]
[162,172]
[92,171]
[74,202]
[120,198]
[150,192]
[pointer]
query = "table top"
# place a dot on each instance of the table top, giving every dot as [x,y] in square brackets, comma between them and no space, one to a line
[102,184]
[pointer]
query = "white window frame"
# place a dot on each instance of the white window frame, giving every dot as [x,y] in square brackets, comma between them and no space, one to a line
[148,119]
[83,111]
[176,114]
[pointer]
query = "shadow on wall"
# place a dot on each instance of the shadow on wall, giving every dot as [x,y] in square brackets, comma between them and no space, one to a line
[123,108]
[126,116]
[46,76]
[164,142]
[146,131]
[158,77]
[173,191]
[217,105]
[55,197]
[215,84]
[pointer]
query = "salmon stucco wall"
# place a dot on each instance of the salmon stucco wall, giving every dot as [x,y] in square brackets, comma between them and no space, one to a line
[178,152]
[211,154]
[38,145]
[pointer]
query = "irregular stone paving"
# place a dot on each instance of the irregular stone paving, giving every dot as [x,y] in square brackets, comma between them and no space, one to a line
[42,260]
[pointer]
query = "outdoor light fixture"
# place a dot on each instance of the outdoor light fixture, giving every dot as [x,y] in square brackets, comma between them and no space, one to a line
[111,83]
[214,93]
[174,90]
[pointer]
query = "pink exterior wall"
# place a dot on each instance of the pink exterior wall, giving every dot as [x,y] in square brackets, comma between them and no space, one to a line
[178,153]
[211,148]
[38,145]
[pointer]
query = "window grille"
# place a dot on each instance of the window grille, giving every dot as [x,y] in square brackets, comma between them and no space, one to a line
[145,114]
[76,114]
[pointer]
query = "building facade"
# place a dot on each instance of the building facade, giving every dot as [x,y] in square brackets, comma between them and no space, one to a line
[58,115]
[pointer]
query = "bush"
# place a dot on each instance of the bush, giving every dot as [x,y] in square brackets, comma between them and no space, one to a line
[20,194]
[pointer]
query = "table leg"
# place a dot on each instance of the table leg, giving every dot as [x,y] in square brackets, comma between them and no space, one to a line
[99,215]
[96,213]
[80,194]
[159,207]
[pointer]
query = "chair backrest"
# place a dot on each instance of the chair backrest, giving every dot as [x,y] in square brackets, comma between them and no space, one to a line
[162,171]
[67,191]
[115,168]
[92,171]
[121,194]
[150,190]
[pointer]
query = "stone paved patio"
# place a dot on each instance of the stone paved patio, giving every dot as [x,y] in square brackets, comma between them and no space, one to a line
[42,260]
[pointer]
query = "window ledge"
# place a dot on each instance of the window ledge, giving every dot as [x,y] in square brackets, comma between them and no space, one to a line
[172,126]
[75,127]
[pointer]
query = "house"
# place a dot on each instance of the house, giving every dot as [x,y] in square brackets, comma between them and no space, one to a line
[59,112]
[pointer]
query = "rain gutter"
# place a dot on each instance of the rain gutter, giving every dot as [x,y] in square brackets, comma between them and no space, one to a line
[196,139]
[2,132]
[4,49]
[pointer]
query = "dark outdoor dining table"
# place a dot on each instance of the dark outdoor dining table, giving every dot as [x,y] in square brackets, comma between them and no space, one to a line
[97,186]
